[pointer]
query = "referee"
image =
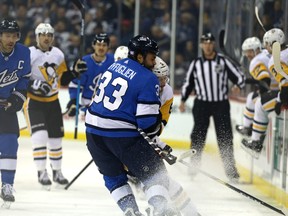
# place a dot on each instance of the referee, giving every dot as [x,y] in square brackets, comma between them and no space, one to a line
[208,76]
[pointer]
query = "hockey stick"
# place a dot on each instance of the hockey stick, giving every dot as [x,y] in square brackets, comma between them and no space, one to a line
[5,104]
[233,188]
[169,158]
[182,156]
[276,50]
[224,51]
[81,8]
[258,18]
[76,177]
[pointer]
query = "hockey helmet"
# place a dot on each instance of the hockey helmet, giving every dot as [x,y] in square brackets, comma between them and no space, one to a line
[121,52]
[101,38]
[160,69]
[251,43]
[44,28]
[273,35]
[141,44]
[9,25]
[207,37]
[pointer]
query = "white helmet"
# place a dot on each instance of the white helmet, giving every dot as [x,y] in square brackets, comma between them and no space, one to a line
[251,43]
[273,35]
[120,53]
[44,28]
[160,68]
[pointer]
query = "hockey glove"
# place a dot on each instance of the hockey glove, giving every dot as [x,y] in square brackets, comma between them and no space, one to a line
[162,145]
[71,107]
[40,87]
[284,95]
[79,67]
[278,108]
[15,101]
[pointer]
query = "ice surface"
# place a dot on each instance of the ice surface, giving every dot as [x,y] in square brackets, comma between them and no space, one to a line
[88,196]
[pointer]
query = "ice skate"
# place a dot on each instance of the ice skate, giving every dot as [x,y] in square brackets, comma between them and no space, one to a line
[59,178]
[168,212]
[44,180]
[131,212]
[253,147]
[245,131]
[7,195]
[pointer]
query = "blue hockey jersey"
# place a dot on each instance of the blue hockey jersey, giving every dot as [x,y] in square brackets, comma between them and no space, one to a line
[127,98]
[90,78]
[15,70]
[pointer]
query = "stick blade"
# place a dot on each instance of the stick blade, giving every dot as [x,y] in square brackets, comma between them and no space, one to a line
[221,38]
[276,50]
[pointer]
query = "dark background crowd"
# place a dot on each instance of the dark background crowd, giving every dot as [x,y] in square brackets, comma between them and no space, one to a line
[116,18]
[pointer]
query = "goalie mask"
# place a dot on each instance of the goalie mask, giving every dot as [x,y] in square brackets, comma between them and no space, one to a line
[120,53]
[273,35]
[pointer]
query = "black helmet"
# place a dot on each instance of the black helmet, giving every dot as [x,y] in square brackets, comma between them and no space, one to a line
[141,44]
[101,38]
[9,25]
[207,37]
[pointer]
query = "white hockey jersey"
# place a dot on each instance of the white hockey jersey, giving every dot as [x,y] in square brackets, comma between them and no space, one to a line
[47,66]
[166,98]
[259,68]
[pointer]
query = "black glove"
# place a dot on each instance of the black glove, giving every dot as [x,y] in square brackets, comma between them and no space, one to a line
[79,67]
[71,107]
[40,87]
[278,108]
[15,101]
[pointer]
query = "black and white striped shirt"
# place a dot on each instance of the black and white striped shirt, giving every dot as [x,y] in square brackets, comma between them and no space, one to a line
[209,78]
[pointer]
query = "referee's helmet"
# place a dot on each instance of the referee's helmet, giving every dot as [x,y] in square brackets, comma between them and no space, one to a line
[207,37]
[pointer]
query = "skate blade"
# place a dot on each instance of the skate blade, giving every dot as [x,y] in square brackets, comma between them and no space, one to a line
[251,152]
[46,187]
[60,186]
[6,205]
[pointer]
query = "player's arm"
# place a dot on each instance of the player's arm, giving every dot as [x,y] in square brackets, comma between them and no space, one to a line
[148,115]
[19,95]
[260,73]
[79,67]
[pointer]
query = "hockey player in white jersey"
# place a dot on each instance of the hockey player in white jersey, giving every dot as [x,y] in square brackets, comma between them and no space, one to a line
[15,71]
[176,192]
[258,69]
[43,111]
[272,100]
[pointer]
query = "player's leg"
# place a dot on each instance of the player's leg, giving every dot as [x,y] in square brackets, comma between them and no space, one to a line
[115,177]
[153,176]
[180,199]
[263,107]
[222,121]
[55,133]
[248,115]
[39,138]
[8,163]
